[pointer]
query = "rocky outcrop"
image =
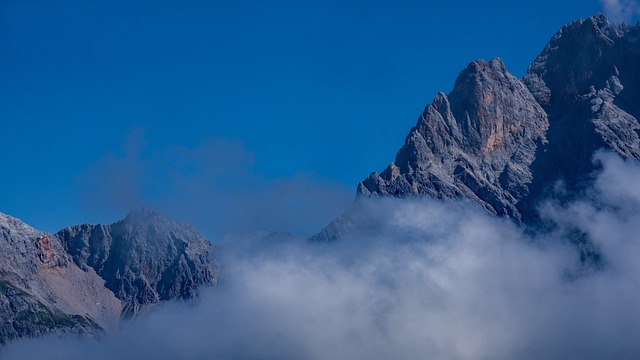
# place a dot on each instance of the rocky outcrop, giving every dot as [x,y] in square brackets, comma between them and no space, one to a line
[25,315]
[506,143]
[82,280]
[478,142]
[587,79]
[43,292]
[144,258]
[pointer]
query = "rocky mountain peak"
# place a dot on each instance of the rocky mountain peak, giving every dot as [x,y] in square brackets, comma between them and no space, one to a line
[144,258]
[598,25]
[479,66]
[83,279]
[144,214]
[580,55]
[586,79]
[25,245]
[42,291]
[476,142]
[11,224]
[478,101]
[144,224]
[505,143]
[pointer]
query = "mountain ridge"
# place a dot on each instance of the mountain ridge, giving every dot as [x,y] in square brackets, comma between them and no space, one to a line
[42,291]
[496,140]
[506,143]
[84,279]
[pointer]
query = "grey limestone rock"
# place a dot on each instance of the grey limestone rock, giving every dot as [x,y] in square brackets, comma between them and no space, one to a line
[42,292]
[587,79]
[84,279]
[144,258]
[478,142]
[505,143]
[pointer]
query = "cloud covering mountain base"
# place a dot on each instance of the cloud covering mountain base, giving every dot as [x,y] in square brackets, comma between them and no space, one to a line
[426,280]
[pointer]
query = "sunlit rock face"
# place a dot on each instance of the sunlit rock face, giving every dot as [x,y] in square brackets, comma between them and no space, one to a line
[42,291]
[508,143]
[84,279]
[478,142]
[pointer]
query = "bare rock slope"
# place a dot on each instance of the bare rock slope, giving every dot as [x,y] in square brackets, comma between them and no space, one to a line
[478,142]
[43,292]
[505,143]
[144,258]
[587,79]
[84,279]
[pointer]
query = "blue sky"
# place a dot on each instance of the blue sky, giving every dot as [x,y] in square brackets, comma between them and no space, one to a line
[107,105]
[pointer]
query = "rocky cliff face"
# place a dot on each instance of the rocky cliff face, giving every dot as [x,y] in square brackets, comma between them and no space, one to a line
[43,292]
[82,280]
[587,79]
[505,143]
[144,258]
[478,142]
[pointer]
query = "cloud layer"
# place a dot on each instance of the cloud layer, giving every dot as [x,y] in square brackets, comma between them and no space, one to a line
[425,280]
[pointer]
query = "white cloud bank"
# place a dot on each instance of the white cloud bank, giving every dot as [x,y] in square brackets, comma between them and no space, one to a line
[427,281]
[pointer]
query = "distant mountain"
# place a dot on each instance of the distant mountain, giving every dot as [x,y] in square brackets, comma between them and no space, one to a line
[43,292]
[505,143]
[83,279]
[144,258]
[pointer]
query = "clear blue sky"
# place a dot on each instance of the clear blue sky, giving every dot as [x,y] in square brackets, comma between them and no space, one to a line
[319,90]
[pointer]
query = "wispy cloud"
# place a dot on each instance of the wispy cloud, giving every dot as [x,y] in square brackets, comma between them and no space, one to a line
[621,10]
[437,280]
[214,186]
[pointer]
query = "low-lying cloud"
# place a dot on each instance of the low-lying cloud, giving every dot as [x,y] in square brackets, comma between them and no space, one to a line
[427,280]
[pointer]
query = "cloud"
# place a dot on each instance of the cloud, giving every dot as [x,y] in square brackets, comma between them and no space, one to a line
[214,186]
[426,280]
[621,10]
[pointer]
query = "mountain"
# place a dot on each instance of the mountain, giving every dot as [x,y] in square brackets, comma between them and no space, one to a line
[587,79]
[144,258]
[478,142]
[506,143]
[496,140]
[85,278]
[43,292]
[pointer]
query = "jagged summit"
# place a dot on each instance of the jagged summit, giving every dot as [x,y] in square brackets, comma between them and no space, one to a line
[42,291]
[567,63]
[14,223]
[587,79]
[144,258]
[84,278]
[148,222]
[505,143]
[80,280]
[143,213]
[477,142]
